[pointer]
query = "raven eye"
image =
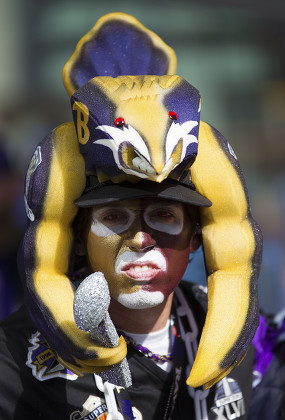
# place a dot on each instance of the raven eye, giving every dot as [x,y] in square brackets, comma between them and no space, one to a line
[173,115]
[119,122]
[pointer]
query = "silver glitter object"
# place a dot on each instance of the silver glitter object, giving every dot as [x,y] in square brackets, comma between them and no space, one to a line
[90,307]
[119,374]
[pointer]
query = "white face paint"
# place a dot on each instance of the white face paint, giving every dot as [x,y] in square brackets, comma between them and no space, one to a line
[167,218]
[111,220]
[142,268]
[151,259]
[142,247]
[115,219]
[141,299]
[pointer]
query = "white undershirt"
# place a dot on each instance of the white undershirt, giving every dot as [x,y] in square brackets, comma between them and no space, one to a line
[158,342]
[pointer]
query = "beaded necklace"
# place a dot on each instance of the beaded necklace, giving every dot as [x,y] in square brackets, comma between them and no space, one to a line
[145,350]
[189,336]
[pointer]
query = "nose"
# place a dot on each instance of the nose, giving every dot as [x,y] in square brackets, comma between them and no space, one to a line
[140,242]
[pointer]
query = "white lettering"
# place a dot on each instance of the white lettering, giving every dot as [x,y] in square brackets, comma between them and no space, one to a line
[219,413]
[229,399]
[239,407]
[230,416]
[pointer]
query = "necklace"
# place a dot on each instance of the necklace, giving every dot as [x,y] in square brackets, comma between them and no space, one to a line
[188,332]
[145,350]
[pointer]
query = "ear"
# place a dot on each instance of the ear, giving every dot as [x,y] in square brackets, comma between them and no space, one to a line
[195,241]
[81,227]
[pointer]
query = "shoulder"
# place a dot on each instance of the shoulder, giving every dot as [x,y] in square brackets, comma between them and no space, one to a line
[230,396]
[14,334]
[17,323]
[197,299]
[195,292]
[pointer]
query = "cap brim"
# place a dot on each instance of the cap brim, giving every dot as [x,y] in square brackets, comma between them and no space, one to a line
[168,189]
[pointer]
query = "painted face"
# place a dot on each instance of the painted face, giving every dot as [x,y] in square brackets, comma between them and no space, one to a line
[142,247]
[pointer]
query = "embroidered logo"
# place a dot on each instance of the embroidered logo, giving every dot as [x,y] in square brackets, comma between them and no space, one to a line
[96,408]
[42,361]
[229,401]
[93,408]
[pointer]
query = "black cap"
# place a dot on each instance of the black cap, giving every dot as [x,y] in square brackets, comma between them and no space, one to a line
[97,193]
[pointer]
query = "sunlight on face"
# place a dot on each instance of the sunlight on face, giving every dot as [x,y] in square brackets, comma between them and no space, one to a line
[142,247]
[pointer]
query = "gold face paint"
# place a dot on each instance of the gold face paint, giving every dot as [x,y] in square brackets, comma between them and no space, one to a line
[142,249]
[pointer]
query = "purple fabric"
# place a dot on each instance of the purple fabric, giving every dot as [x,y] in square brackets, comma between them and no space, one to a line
[264,342]
[181,98]
[119,48]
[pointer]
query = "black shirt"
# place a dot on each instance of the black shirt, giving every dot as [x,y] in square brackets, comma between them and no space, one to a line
[34,386]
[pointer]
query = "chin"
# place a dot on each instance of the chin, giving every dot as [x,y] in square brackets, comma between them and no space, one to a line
[141,299]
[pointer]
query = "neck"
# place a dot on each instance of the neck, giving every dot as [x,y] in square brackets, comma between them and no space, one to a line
[140,321]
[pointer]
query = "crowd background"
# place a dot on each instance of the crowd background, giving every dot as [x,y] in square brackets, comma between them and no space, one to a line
[233,51]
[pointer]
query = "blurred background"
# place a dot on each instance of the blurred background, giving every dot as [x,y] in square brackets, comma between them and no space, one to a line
[233,51]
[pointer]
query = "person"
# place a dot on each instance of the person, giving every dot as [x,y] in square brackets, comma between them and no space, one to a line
[268,399]
[121,197]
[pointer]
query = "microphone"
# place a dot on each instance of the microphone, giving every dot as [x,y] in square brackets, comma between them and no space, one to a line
[90,308]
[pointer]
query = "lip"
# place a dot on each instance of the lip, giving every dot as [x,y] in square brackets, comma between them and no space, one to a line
[142,272]
[128,260]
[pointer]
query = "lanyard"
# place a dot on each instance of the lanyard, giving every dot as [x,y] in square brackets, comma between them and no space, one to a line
[178,358]
[189,333]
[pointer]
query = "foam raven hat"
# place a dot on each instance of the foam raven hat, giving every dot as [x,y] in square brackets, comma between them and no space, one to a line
[136,132]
